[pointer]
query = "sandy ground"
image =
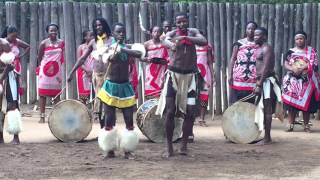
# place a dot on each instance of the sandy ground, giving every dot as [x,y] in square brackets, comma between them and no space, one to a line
[40,156]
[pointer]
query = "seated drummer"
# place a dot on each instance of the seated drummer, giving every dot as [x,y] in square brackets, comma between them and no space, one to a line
[157,59]
[117,92]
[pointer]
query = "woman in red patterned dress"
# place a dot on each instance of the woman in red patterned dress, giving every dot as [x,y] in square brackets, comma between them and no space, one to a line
[301,83]
[50,58]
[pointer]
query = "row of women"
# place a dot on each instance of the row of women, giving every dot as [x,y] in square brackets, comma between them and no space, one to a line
[300,85]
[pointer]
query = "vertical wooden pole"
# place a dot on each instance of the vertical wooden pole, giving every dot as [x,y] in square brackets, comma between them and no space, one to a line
[192,14]
[278,39]
[271,27]
[85,24]
[217,45]
[223,40]
[91,13]
[107,12]
[129,22]
[70,49]
[11,13]
[24,35]
[243,19]
[33,51]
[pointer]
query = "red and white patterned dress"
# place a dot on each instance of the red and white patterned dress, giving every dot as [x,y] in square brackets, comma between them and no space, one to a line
[155,72]
[202,62]
[244,69]
[301,91]
[50,71]
[84,81]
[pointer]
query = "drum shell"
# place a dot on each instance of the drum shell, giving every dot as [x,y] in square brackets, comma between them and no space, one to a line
[70,121]
[238,123]
[153,126]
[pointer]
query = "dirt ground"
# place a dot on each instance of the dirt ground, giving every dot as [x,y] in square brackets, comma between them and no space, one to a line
[40,156]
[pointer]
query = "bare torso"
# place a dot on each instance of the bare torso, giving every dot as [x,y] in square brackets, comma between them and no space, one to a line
[184,57]
[119,68]
[265,53]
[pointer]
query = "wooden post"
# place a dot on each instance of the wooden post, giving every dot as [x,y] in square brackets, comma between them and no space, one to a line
[264,15]
[85,24]
[286,10]
[198,20]
[42,23]
[129,22]
[176,9]
[153,14]
[11,13]
[158,13]
[144,21]
[24,34]
[136,27]
[77,23]
[46,14]
[70,50]
[168,14]
[236,23]
[91,13]
[315,24]
[62,36]
[250,12]
[278,39]
[217,45]
[210,41]
[292,13]
[192,14]
[203,17]
[307,20]
[257,14]
[271,27]
[33,51]
[223,40]
[121,14]
[107,12]
[183,7]
[243,16]
[298,17]
[54,12]
[2,16]
[230,20]
[98,10]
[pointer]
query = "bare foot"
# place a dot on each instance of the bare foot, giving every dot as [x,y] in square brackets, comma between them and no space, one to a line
[264,142]
[15,141]
[110,154]
[129,155]
[183,150]
[167,155]
[42,120]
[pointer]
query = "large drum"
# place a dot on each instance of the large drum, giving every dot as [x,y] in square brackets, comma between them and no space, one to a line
[238,123]
[70,121]
[153,126]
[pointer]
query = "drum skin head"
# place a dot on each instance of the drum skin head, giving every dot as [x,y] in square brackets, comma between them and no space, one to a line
[153,126]
[70,121]
[238,123]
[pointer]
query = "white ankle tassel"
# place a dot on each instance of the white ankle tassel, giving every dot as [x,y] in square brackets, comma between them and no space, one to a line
[108,139]
[128,140]
[14,121]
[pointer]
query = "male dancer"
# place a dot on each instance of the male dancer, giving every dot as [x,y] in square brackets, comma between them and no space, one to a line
[179,93]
